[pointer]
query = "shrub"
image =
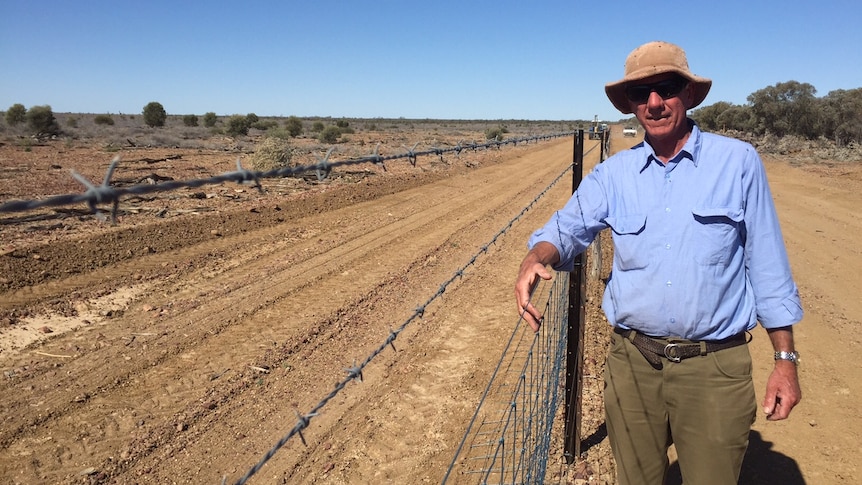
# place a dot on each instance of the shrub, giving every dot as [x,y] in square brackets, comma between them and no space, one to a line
[16,114]
[270,154]
[330,134]
[278,132]
[41,120]
[495,133]
[210,119]
[237,125]
[342,123]
[190,120]
[103,120]
[317,127]
[293,126]
[72,122]
[264,125]
[155,114]
[252,119]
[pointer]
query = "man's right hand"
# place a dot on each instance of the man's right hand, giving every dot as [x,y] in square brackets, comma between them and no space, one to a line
[533,267]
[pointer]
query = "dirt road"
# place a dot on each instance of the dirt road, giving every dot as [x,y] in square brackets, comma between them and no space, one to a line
[194,343]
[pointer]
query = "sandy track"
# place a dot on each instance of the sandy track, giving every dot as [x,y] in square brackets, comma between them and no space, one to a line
[164,389]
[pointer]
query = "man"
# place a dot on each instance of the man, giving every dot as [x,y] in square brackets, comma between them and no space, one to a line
[698,260]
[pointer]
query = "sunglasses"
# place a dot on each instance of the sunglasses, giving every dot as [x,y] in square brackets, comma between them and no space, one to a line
[667,89]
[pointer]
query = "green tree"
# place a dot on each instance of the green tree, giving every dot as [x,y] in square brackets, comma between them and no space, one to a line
[41,120]
[736,117]
[786,108]
[707,116]
[293,126]
[237,125]
[16,114]
[840,116]
[155,114]
[210,119]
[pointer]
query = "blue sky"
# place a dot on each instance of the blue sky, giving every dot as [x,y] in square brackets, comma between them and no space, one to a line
[546,60]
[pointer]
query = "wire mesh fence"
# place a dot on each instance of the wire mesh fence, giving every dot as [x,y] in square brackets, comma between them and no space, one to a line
[508,439]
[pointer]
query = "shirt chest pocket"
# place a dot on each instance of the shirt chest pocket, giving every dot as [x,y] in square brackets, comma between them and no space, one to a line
[716,235]
[629,252]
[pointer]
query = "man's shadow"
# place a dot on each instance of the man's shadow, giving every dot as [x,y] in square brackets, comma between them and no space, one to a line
[761,466]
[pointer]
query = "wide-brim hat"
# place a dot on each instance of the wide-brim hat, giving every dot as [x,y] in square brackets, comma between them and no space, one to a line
[655,58]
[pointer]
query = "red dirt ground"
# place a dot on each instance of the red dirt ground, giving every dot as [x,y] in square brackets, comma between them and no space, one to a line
[178,345]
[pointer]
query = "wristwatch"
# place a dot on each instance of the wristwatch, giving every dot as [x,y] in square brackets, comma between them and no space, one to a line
[791,356]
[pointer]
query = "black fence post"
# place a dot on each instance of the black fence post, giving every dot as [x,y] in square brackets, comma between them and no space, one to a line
[575,330]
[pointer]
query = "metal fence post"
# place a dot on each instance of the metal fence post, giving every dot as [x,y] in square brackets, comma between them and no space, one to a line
[575,330]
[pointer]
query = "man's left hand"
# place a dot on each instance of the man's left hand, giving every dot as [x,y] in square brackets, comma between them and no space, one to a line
[782,391]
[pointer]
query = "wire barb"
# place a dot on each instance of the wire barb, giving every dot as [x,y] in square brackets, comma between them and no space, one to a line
[323,167]
[354,372]
[102,193]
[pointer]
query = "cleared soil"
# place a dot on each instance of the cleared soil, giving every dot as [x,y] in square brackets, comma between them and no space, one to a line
[180,345]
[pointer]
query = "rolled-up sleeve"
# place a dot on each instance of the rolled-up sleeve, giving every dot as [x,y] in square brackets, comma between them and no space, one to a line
[572,228]
[776,296]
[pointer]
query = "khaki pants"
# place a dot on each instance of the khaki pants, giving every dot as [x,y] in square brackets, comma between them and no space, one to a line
[704,405]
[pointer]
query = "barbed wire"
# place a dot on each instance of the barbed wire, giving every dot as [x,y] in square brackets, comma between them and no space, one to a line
[105,193]
[355,372]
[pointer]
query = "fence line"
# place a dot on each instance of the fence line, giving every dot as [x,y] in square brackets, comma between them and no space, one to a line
[303,420]
[512,441]
[107,194]
[516,433]
[517,449]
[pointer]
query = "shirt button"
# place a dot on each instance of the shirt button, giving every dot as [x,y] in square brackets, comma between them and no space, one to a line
[669,283]
[667,246]
[673,320]
[667,209]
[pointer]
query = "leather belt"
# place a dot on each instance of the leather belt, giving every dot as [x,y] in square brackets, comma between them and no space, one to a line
[676,350]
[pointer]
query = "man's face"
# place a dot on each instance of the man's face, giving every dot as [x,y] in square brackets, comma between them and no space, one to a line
[660,102]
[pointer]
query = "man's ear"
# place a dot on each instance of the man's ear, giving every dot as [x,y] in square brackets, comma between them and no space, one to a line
[688,94]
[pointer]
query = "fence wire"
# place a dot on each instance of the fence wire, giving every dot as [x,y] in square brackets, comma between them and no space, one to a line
[105,193]
[516,412]
[508,439]
[355,372]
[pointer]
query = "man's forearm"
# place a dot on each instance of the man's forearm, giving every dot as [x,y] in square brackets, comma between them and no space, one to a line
[782,339]
[543,253]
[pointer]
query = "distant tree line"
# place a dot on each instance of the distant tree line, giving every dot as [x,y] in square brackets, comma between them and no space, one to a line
[786,108]
[40,119]
[790,108]
[41,122]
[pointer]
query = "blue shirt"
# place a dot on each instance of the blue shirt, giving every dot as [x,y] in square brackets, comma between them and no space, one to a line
[698,251]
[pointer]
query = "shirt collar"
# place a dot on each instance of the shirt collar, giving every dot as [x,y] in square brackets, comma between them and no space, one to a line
[690,151]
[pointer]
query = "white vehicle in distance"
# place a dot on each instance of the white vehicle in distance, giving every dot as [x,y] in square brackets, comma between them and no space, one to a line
[630,131]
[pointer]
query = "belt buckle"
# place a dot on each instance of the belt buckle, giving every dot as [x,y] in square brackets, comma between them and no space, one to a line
[671,349]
